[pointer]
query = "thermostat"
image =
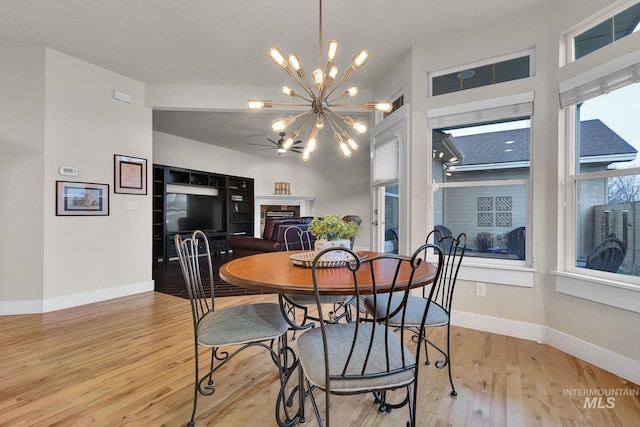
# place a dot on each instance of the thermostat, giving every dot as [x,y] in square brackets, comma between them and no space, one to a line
[68,171]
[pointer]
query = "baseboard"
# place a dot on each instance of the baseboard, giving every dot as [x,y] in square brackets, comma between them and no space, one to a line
[615,363]
[497,325]
[73,300]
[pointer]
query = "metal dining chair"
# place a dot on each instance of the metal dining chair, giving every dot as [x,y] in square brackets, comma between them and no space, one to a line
[242,326]
[365,355]
[295,238]
[439,299]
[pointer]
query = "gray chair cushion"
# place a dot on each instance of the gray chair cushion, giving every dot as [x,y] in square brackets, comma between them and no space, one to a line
[241,324]
[437,316]
[339,338]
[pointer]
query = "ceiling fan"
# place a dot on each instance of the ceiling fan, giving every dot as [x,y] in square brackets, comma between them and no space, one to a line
[279,146]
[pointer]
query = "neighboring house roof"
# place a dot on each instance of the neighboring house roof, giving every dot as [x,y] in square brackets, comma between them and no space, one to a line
[599,144]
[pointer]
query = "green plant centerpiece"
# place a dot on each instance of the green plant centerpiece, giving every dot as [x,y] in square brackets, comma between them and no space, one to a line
[330,231]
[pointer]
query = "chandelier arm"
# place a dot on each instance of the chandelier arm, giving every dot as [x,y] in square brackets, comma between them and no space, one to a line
[363,106]
[310,115]
[336,86]
[297,95]
[304,85]
[287,104]
[320,36]
[335,113]
[332,121]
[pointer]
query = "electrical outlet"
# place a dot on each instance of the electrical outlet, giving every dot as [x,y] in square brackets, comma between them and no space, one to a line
[480,289]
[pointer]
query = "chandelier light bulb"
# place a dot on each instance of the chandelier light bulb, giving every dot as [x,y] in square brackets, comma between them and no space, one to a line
[281,124]
[294,61]
[332,50]
[288,91]
[344,148]
[319,122]
[359,127]
[334,72]
[306,154]
[289,142]
[318,77]
[255,104]
[352,144]
[311,144]
[360,59]
[356,125]
[352,91]
[385,107]
[277,57]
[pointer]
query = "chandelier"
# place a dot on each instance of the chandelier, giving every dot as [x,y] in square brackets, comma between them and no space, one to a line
[320,93]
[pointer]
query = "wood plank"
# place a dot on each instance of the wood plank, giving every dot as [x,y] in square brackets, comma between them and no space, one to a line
[128,361]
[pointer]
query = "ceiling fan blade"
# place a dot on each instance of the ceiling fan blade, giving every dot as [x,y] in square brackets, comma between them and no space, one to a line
[272,141]
[261,145]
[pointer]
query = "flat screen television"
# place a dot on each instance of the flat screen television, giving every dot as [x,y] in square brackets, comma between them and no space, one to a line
[189,212]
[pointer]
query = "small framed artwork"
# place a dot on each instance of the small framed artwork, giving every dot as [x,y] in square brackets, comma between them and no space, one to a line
[81,198]
[130,175]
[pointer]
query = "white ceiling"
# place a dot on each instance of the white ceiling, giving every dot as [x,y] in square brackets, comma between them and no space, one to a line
[208,42]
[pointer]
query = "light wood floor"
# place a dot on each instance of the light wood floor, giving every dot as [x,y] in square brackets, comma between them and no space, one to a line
[128,362]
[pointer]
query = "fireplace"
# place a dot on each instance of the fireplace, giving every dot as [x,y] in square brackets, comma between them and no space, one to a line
[280,206]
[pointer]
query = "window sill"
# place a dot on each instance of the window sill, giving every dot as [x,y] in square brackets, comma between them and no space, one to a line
[605,291]
[502,274]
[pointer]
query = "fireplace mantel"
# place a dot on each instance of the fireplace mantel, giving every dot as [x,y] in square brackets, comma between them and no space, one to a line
[304,202]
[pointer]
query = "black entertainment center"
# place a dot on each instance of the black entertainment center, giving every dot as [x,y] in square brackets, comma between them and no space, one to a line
[186,200]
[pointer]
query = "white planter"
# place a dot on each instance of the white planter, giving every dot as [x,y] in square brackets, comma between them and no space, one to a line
[321,244]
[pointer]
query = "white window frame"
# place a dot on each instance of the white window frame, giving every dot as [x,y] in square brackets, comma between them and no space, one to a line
[498,271]
[606,13]
[531,53]
[608,288]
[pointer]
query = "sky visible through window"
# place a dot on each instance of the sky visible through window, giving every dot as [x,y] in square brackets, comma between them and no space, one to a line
[620,111]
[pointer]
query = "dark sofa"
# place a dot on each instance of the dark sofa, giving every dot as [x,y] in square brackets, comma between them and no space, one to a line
[273,236]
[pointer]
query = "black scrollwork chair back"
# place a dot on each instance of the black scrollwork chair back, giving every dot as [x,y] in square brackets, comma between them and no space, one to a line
[244,326]
[295,307]
[440,298]
[365,355]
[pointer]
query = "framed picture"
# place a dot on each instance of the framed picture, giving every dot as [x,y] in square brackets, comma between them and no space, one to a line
[130,175]
[81,198]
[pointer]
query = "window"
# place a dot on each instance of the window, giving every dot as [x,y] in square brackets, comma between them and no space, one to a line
[607,31]
[480,173]
[514,67]
[397,103]
[604,174]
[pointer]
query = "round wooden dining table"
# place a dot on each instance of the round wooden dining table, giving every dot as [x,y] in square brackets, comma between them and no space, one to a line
[275,272]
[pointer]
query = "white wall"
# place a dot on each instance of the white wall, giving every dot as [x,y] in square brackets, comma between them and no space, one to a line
[62,114]
[600,326]
[340,186]
[21,175]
